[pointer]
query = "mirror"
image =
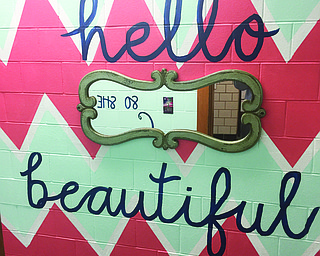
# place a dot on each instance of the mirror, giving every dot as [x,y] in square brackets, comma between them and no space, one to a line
[115,108]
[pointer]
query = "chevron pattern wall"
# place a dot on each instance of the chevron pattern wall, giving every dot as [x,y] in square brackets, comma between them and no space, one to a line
[43,213]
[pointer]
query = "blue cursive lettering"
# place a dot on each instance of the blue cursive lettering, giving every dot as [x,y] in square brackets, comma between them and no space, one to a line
[211,220]
[169,32]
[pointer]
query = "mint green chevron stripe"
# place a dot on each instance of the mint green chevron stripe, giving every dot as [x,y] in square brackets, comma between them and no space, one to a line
[6,14]
[188,17]
[309,191]
[59,155]
[71,8]
[286,12]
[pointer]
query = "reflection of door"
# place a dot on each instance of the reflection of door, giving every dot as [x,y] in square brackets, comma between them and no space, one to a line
[218,110]
[203,116]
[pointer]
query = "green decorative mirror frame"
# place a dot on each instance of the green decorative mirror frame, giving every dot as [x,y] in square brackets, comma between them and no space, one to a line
[252,109]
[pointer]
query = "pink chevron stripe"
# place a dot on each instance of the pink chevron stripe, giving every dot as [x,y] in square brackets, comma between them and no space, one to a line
[56,236]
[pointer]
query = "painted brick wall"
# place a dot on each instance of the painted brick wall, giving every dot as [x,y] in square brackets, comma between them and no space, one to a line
[226,108]
[62,194]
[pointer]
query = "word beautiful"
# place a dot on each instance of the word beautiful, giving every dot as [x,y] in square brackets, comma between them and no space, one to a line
[211,220]
[170,32]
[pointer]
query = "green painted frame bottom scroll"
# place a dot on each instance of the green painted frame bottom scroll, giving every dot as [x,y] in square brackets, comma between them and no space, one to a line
[252,109]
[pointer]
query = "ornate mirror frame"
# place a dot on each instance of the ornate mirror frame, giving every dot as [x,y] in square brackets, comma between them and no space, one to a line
[252,109]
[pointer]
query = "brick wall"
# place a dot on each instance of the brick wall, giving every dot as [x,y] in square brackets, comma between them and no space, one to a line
[226,108]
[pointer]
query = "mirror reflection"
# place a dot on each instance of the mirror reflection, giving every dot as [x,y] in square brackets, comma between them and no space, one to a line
[219,110]
[121,109]
[214,110]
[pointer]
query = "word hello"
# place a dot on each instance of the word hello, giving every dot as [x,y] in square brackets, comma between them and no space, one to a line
[204,32]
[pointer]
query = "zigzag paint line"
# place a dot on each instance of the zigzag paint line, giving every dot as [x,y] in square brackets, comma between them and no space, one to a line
[47,105]
[192,32]
[95,246]
[275,152]
[305,29]
[27,238]
[199,247]
[162,238]
[283,46]
[302,163]
[102,21]
[5,52]
[313,248]
[185,167]
[66,22]
[288,49]
[284,165]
